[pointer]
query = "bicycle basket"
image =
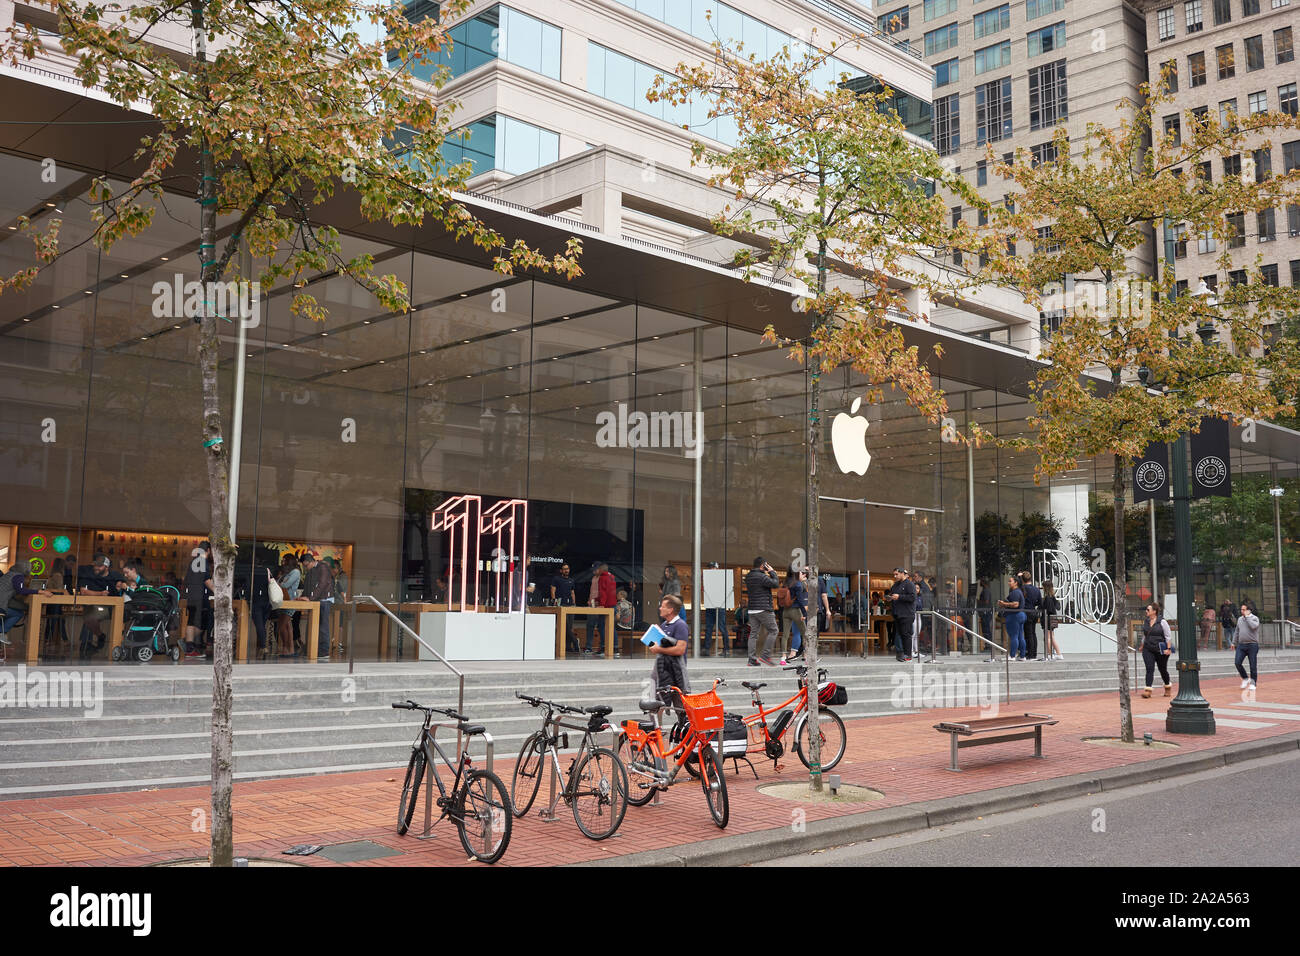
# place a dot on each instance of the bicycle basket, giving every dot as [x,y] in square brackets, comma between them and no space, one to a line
[704,711]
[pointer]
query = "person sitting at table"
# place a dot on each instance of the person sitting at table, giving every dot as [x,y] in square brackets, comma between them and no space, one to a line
[94,578]
[131,579]
[13,584]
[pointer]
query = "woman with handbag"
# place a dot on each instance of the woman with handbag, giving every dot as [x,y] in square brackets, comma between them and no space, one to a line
[1051,608]
[264,598]
[290,577]
[1157,643]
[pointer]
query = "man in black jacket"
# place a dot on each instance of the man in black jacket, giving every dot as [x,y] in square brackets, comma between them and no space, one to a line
[762,621]
[1033,611]
[902,598]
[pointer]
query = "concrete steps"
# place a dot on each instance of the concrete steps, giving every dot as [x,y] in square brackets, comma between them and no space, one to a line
[153,729]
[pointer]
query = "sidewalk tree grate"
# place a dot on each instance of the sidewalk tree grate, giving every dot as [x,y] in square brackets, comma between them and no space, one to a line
[357,851]
[799,792]
[1138,744]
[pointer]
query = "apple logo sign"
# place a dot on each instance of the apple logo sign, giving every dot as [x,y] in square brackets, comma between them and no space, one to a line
[848,441]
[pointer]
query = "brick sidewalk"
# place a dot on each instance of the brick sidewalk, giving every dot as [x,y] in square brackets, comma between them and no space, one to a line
[901,756]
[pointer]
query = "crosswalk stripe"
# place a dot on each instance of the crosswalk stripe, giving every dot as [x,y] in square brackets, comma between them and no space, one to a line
[1255,713]
[1262,705]
[1222,722]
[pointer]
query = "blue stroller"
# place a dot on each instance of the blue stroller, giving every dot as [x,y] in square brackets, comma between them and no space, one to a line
[149,615]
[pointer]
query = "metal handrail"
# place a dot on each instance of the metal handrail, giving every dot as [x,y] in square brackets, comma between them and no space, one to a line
[933,614]
[1075,620]
[460,700]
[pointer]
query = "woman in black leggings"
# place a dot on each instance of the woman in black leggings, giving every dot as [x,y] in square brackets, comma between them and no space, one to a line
[1155,632]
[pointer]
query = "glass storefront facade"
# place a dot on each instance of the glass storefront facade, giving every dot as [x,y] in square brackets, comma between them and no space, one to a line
[493,386]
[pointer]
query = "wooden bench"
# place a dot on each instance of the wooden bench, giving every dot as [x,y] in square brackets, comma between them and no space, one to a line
[848,637]
[997,729]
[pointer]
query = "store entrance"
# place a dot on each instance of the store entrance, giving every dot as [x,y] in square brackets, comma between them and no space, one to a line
[861,550]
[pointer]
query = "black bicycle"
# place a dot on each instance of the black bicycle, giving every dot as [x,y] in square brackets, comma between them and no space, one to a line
[476,802]
[596,785]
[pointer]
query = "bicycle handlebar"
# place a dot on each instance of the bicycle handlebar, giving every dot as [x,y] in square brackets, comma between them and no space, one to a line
[412,705]
[550,704]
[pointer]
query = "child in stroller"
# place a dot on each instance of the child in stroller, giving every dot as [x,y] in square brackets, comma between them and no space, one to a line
[149,615]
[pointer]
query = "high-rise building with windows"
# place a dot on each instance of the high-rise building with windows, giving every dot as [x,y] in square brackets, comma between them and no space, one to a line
[1229,59]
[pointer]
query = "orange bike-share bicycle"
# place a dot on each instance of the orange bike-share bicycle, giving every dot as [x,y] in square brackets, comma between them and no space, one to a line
[768,738]
[642,750]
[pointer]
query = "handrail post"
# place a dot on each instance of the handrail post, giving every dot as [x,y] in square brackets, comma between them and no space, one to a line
[962,627]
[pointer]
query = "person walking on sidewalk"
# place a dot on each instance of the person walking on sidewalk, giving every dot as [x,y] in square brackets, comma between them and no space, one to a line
[902,598]
[794,614]
[1013,616]
[1051,608]
[759,583]
[670,654]
[1033,608]
[1247,644]
[1157,644]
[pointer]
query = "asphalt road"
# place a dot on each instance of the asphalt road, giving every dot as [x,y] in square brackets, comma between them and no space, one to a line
[1244,815]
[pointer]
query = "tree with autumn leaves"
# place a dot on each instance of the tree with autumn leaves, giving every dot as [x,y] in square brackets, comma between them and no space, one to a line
[831,193]
[273,109]
[1136,359]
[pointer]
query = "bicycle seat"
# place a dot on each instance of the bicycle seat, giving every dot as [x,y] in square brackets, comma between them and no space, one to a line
[649,726]
[752,686]
[652,706]
[472,729]
[600,711]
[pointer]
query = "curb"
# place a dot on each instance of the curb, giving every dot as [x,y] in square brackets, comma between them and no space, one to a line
[872,825]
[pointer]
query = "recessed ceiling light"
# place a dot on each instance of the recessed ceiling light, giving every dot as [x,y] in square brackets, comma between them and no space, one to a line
[27,319]
[144,338]
[422,351]
[469,376]
[88,292]
[175,326]
[735,355]
[566,318]
[13,228]
[125,276]
[465,342]
[381,361]
[588,381]
[555,358]
[164,258]
[510,368]
[514,330]
[324,334]
[54,307]
[656,338]
[343,370]
[463,294]
[50,204]
[365,321]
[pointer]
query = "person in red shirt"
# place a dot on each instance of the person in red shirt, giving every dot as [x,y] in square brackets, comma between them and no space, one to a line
[604,593]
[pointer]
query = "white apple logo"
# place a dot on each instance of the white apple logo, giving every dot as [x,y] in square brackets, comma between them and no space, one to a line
[848,441]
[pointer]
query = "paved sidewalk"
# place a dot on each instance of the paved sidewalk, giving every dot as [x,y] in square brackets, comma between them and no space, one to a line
[901,756]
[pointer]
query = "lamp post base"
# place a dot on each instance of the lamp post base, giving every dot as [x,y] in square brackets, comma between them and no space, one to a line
[1190,714]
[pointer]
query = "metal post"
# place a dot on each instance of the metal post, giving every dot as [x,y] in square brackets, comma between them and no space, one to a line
[237,425]
[970,511]
[1283,629]
[1151,514]
[697,588]
[1189,712]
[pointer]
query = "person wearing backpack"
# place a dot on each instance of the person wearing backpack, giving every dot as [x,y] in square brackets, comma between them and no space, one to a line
[670,653]
[792,597]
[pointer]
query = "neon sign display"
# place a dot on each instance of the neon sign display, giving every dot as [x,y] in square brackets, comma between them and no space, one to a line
[466,523]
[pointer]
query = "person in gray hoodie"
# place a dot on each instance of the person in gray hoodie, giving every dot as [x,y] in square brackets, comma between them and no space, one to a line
[1247,645]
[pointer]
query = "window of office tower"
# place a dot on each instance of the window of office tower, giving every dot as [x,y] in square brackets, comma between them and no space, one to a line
[932,9]
[498,31]
[947,124]
[992,111]
[992,21]
[504,143]
[1048,97]
[1165,23]
[1049,39]
[1192,14]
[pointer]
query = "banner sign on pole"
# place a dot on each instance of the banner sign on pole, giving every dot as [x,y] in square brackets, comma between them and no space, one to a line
[1151,474]
[1210,457]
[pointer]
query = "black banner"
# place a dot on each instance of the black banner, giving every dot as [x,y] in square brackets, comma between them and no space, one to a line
[1151,474]
[1211,474]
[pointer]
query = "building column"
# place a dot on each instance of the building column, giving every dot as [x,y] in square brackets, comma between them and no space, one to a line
[603,208]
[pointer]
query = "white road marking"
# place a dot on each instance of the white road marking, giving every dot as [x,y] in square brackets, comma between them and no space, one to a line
[1225,722]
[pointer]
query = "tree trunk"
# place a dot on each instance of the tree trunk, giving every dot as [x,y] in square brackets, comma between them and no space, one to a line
[810,657]
[1121,607]
[223,548]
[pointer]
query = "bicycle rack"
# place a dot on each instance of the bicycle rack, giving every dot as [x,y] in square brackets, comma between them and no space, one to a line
[430,770]
[549,812]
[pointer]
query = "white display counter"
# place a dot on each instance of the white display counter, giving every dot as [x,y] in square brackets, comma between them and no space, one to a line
[466,636]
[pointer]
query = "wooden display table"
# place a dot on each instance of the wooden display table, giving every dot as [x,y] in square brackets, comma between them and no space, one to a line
[562,615]
[81,601]
[244,625]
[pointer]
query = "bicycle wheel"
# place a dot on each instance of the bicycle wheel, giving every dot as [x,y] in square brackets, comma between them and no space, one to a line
[629,753]
[483,816]
[833,738]
[714,783]
[410,791]
[528,774]
[599,789]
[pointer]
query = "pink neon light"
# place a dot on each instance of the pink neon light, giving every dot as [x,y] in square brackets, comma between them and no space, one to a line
[459,516]
[509,515]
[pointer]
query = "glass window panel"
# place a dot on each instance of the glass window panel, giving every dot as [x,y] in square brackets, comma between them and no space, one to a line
[677,13]
[596,69]
[645,77]
[620,78]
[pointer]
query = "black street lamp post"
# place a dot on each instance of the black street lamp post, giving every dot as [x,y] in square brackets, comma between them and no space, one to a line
[1189,712]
